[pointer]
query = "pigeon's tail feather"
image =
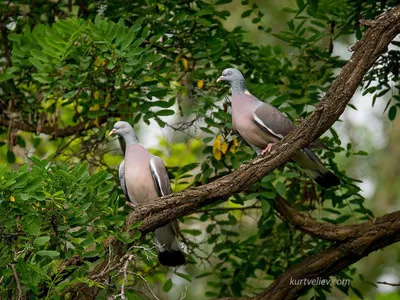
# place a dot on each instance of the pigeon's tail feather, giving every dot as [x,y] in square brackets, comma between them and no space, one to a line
[323,177]
[171,258]
[314,168]
[169,252]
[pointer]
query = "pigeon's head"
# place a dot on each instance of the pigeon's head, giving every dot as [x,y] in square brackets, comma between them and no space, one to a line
[123,129]
[232,76]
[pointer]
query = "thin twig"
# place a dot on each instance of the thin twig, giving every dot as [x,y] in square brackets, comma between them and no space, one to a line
[388,283]
[125,272]
[106,271]
[147,284]
[17,281]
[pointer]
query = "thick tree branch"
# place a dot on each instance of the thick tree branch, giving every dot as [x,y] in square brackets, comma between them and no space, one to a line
[369,237]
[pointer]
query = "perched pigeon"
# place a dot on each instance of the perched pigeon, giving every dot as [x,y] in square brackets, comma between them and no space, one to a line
[261,125]
[143,178]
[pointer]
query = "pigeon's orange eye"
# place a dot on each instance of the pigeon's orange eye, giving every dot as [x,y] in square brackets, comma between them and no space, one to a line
[122,126]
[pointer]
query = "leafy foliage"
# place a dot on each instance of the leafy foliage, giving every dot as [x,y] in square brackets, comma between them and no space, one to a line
[51,212]
[97,61]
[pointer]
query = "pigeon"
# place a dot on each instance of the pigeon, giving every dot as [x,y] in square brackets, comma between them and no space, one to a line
[261,125]
[143,178]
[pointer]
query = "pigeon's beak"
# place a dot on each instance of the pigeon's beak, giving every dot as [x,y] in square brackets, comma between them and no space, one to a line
[221,78]
[112,132]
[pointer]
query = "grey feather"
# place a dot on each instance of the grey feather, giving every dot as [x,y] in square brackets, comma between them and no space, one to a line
[121,175]
[160,176]
[272,120]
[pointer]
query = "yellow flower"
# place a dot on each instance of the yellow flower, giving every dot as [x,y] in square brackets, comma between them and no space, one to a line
[216,148]
[185,64]
[43,208]
[224,147]
[12,199]
[235,145]
[200,84]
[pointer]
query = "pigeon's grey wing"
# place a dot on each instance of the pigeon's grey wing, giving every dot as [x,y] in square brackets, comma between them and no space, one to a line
[160,176]
[162,183]
[121,175]
[272,120]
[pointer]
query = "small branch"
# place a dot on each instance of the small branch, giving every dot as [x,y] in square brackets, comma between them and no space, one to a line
[388,283]
[125,272]
[109,268]
[306,224]
[19,297]
[147,284]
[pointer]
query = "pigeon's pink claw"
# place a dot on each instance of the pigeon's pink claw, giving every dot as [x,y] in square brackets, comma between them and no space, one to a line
[268,148]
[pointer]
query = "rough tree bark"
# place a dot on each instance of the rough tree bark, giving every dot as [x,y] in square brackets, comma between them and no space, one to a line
[352,242]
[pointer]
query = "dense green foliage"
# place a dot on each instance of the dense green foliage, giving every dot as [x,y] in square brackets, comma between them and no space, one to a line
[95,62]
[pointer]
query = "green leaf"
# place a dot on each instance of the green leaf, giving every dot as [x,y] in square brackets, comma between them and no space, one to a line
[265,207]
[165,112]
[162,104]
[38,65]
[221,2]
[40,241]
[184,276]
[10,157]
[362,153]
[357,292]
[5,76]
[120,34]
[33,184]
[204,274]
[89,254]
[49,253]
[39,55]
[118,80]
[194,232]
[124,237]
[313,5]
[127,39]
[137,235]
[145,32]
[281,188]
[135,225]
[246,13]
[392,112]
[167,286]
